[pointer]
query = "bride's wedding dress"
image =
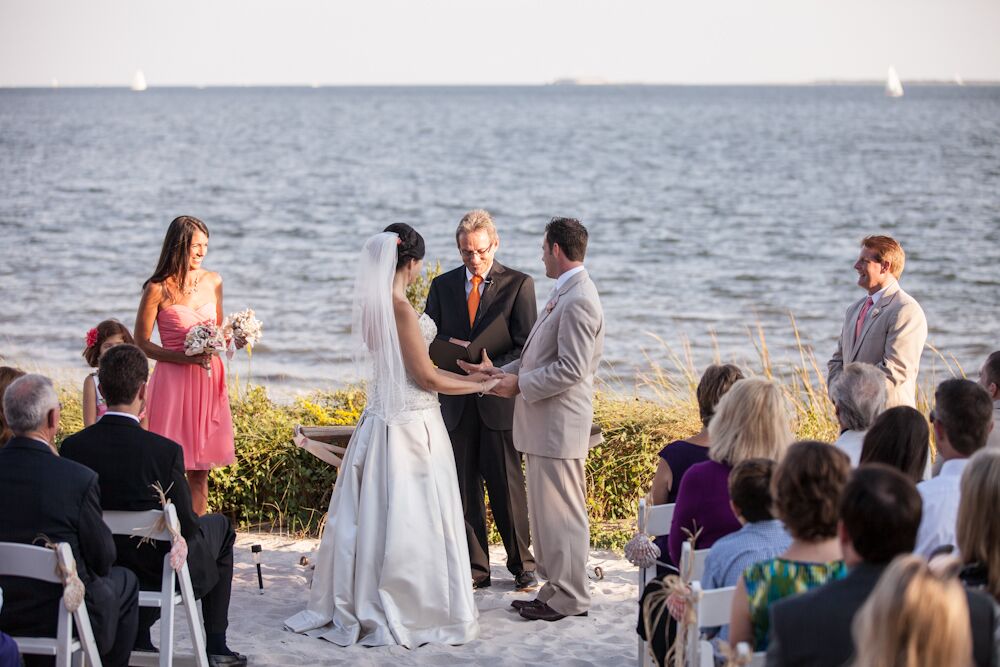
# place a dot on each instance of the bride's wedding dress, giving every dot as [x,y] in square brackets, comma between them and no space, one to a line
[393,564]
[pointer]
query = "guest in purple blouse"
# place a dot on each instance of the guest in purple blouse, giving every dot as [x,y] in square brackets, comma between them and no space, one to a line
[753,420]
[680,455]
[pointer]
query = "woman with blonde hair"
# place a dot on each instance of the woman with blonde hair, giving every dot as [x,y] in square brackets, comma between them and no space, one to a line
[978,527]
[915,617]
[753,420]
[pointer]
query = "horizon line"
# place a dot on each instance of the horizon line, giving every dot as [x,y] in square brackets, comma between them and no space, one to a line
[560,83]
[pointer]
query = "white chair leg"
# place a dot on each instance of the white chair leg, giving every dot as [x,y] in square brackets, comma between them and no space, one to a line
[64,637]
[167,615]
[196,625]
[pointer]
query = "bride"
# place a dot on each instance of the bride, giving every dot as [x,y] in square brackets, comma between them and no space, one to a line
[393,565]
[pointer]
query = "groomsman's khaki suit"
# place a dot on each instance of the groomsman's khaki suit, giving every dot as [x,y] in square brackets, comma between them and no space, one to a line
[552,419]
[892,339]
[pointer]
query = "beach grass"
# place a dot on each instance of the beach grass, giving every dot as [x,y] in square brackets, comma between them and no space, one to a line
[275,486]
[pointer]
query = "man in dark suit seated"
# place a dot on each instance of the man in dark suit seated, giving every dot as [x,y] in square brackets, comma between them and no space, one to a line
[129,460]
[880,512]
[45,496]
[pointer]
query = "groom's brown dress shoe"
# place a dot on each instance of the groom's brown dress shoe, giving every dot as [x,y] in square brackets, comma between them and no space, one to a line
[521,604]
[543,612]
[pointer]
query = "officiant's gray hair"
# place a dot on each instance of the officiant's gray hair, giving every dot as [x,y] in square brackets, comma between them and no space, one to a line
[474,221]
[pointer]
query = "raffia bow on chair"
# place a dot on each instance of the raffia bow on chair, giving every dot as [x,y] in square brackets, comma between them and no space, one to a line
[73,588]
[733,656]
[654,607]
[178,548]
[642,552]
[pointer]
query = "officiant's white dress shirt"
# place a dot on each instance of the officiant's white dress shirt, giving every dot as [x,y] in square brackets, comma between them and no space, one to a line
[940,495]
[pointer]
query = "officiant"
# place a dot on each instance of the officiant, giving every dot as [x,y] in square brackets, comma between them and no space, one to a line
[476,305]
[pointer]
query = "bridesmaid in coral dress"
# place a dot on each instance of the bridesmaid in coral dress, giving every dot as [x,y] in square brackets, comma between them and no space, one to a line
[185,402]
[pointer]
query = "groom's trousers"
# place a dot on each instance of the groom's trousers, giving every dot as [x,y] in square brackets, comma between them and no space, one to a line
[560,530]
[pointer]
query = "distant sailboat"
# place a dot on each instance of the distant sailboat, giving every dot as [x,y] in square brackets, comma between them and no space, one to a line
[138,81]
[893,87]
[959,81]
[55,83]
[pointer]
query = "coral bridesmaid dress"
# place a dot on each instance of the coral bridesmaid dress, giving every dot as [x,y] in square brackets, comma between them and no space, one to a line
[185,403]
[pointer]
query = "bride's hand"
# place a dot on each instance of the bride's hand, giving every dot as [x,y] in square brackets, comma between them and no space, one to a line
[485,366]
[486,385]
[483,377]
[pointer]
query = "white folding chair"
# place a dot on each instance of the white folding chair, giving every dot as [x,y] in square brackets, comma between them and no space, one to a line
[654,520]
[693,559]
[40,563]
[758,659]
[711,609]
[139,523]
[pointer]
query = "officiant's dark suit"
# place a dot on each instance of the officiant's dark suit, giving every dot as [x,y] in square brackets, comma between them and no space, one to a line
[481,426]
[129,460]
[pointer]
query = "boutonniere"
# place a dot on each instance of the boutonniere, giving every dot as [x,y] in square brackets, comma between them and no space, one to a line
[875,311]
[550,305]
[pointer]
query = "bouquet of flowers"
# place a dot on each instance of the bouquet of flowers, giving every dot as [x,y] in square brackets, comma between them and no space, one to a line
[242,329]
[204,338]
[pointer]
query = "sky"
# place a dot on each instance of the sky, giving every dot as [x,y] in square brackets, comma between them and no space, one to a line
[456,42]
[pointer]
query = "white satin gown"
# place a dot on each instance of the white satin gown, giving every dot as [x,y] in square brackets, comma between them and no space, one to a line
[393,564]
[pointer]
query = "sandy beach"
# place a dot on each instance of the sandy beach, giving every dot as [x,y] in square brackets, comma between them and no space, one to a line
[605,637]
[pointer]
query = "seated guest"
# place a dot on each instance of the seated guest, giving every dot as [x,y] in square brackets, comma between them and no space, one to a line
[806,488]
[7,375]
[899,438]
[129,460]
[680,455]
[879,518]
[761,536]
[962,417]
[859,395]
[43,494]
[978,529]
[751,421]
[9,656]
[914,617]
[989,379]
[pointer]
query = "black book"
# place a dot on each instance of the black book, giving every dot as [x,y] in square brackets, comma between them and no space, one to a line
[495,339]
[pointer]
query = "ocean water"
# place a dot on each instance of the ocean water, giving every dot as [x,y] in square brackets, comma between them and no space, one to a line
[711,209]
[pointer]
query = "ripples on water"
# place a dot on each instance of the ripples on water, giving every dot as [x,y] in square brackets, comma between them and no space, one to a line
[709,208]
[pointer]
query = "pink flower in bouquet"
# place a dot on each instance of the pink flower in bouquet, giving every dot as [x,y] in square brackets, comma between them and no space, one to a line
[204,338]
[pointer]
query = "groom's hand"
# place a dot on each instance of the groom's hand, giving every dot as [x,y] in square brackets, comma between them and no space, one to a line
[507,387]
[485,366]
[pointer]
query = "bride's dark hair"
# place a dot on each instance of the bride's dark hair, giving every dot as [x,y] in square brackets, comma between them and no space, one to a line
[411,244]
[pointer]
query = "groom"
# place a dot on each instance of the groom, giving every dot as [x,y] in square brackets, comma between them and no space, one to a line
[554,385]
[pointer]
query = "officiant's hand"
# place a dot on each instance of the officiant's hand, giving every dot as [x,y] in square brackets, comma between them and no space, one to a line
[507,387]
[485,366]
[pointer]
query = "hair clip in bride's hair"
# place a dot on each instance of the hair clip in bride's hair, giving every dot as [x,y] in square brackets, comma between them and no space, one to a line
[399,241]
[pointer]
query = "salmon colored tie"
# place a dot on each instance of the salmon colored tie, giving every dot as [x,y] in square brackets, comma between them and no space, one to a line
[474,299]
[861,317]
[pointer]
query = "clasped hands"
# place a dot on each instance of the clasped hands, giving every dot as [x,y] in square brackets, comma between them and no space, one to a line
[506,383]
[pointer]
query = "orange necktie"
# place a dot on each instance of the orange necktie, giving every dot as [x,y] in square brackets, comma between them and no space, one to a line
[474,299]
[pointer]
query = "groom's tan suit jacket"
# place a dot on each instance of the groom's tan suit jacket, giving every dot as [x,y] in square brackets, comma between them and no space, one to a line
[553,414]
[892,339]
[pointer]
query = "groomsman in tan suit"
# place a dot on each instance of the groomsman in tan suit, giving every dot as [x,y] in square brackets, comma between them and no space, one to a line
[887,328]
[554,385]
